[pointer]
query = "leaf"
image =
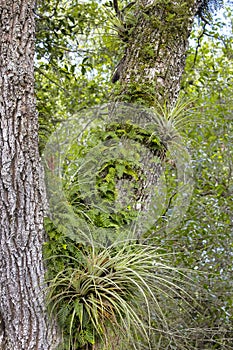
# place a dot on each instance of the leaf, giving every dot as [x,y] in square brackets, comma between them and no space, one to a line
[79,311]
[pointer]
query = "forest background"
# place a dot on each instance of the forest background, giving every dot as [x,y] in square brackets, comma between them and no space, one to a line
[78,48]
[137,155]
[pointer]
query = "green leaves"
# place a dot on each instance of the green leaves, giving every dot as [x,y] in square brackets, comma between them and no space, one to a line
[117,288]
[76,52]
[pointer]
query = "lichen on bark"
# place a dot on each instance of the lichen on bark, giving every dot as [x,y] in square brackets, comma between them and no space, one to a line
[155,53]
[22,304]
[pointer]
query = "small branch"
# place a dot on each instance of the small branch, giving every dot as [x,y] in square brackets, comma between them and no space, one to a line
[199,42]
[116,8]
[52,81]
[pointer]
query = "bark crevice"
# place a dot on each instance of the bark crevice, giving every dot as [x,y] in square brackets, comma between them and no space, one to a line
[22,293]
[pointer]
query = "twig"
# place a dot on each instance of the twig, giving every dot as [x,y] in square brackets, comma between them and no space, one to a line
[199,42]
[52,81]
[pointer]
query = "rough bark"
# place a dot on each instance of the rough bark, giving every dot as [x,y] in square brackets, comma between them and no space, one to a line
[156,43]
[24,323]
[155,53]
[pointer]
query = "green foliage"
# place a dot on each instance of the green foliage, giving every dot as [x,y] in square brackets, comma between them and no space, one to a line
[64,258]
[74,58]
[106,296]
[69,81]
[121,19]
[123,167]
[206,234]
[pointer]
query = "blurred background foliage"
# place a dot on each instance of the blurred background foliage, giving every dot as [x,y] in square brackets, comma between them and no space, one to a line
[77,49]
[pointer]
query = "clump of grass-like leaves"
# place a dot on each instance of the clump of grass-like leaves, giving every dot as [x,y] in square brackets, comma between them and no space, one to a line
[109,295]
[171,121]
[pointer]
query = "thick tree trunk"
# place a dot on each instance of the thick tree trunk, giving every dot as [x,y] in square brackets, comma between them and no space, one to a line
[24,323]
[155,52]
[156,42]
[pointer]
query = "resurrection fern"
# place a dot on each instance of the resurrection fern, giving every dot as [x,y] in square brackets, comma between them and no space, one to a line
[95,170]
[112,297]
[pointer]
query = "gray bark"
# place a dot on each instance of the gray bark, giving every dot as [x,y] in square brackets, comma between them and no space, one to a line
[152,68]
[24,323]
[156,50]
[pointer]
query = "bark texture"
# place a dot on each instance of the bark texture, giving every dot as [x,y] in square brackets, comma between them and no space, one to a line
[24,324]
[155,52]
[156,41]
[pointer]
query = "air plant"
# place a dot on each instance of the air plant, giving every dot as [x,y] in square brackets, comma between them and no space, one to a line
[171,121]
[111,293]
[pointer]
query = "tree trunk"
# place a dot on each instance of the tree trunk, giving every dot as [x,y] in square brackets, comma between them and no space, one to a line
[154,59]
[23,320]
[156,41]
